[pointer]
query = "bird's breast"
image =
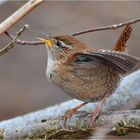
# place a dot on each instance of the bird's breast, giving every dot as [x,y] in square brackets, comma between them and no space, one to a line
[54,71]
[87,89]
[50,69]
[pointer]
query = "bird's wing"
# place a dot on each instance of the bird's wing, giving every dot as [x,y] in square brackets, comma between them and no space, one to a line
[84,63]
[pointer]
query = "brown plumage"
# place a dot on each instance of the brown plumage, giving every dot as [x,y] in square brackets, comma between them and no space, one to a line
[121,42]
[87,74]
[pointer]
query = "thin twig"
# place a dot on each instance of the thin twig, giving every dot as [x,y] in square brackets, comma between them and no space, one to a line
[20,13]
[12,44]
[115,26]
[22,42]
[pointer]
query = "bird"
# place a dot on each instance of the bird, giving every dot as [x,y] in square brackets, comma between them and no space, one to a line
[87,74]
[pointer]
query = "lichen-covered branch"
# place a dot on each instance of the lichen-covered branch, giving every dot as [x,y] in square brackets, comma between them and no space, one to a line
[47,123]
[77,127]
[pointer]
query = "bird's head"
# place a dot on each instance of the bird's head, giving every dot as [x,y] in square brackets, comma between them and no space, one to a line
[61,46]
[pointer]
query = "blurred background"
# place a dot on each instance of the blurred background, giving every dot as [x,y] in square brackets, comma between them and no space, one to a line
[23,84]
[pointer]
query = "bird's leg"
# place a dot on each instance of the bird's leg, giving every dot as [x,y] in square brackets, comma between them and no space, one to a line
[96,112]
[70,113]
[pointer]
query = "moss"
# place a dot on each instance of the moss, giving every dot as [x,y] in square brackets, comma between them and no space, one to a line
[124,127]
[137,106]
[119,131]
[71,134]
[62,134]
[1,133]
[42,134]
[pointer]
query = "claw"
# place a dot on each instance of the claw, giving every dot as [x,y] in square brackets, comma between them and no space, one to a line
[94,115]
[70,113]
[67,116]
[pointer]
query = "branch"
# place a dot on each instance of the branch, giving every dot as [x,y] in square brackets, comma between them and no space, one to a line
[22,42]
[47,123]
[20,13]
[115,26]
[110,27]
[78,127]
[12,44]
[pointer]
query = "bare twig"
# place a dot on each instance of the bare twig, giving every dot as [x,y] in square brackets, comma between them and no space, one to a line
[12,44]
[20,13]
[115,26]
[22,42]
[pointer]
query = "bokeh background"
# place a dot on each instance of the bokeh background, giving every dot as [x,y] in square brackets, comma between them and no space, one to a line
[23,84]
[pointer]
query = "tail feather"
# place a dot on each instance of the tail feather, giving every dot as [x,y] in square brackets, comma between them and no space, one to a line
[121,42]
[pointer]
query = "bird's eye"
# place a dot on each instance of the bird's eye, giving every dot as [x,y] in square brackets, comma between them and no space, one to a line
[58,43]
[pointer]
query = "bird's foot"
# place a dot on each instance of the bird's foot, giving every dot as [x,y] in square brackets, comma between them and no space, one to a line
[94,115]
[70,113]
[68,116]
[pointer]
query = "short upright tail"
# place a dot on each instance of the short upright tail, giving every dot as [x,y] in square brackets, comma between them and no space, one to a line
[121,42]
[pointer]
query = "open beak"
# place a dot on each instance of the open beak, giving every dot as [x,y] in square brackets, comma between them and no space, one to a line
[48,42]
